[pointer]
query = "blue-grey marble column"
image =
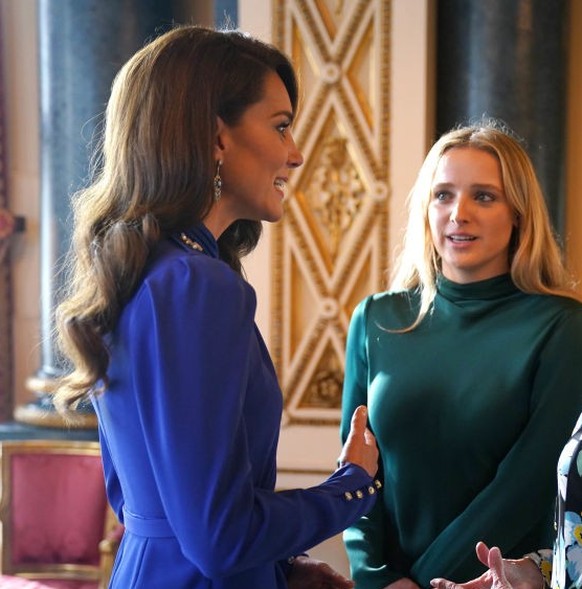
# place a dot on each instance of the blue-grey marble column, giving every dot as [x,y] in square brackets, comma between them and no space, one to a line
[82,45]
[507,59]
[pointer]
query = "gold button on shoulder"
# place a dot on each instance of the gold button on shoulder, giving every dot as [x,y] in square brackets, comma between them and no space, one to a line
[371,490]
[359,494]
[348,496]
[378,484]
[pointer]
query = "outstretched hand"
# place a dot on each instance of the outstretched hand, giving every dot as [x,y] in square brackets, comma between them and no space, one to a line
[360,447]
[309,573]
[502,574]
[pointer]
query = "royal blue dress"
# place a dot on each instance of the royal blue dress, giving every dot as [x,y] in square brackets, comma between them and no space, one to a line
[189,428]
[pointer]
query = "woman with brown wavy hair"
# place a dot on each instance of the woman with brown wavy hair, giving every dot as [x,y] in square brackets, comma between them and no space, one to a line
[158,324]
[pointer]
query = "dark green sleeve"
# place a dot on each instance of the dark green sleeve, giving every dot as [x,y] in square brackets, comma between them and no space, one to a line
[366,540]
[498,511]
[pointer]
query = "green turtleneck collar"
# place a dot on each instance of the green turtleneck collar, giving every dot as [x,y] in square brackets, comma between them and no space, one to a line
[491,288]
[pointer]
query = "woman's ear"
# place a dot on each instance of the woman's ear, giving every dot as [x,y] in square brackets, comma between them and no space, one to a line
[220,143]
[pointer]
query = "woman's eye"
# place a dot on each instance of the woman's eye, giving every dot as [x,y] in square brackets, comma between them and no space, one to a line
[484,197]
[441,196]
[283,127]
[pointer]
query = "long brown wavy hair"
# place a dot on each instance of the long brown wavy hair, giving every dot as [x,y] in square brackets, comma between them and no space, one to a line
[153,175]
[536,263]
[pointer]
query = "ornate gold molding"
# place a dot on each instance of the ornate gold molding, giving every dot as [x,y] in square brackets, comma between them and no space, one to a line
[330,250]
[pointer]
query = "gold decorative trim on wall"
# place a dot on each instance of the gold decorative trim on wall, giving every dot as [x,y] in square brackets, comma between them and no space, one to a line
[330,249]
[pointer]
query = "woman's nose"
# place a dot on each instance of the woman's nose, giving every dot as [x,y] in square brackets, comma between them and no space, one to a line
[459,211]
[295,158]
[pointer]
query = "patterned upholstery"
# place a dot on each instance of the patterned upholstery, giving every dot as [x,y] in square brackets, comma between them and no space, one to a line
[54,512]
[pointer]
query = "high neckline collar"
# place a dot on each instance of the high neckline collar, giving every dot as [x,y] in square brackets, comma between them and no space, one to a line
[201,235]
[491,288]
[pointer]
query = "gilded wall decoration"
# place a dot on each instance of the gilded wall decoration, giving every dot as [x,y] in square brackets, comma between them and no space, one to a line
[330,250]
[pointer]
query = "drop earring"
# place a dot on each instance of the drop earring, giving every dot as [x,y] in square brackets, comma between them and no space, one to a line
[217,182]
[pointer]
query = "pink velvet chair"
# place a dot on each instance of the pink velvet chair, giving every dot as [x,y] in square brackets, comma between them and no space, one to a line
[55,516]
[7,582]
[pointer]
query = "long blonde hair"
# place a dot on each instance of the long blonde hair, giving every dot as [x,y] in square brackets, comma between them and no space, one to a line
[154,177]
[536,264]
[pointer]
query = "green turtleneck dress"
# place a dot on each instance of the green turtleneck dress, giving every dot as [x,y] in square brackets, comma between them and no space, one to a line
[470,411]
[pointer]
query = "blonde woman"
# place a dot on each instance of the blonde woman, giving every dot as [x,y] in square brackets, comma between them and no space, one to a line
[471,368]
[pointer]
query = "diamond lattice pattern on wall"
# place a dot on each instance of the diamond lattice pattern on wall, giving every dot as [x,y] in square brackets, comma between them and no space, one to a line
[330,250]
